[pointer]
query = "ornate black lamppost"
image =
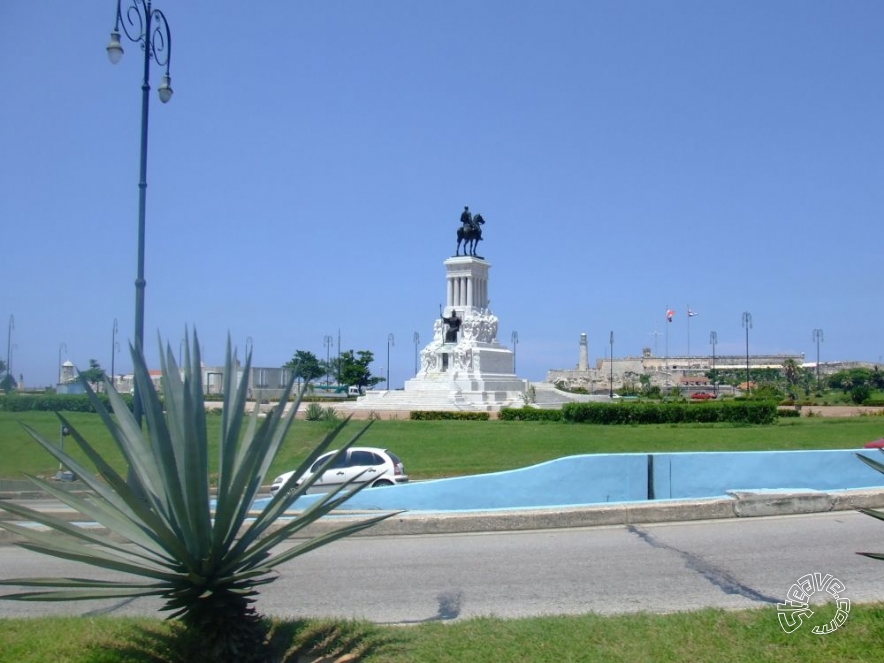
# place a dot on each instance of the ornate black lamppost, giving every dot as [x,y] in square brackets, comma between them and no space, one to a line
[747,323]
[144,25]
[818,336]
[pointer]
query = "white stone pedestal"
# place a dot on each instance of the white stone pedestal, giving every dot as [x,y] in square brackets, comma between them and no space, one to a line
[476,372]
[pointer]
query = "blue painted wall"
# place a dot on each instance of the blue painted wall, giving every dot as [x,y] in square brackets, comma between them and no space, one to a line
[684,475]
[571,480]
[600,478]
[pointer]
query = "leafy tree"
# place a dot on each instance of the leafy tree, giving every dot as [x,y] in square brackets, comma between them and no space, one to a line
[860,394]
[305,366]
[206,565]
[8,383]
[791,371]
[354,369]
[332,368]
[737,376]
[877,379]
[629,387]
[767,392]
[94,374]
[847,379]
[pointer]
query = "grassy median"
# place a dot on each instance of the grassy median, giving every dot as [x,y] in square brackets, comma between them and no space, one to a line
[432,449]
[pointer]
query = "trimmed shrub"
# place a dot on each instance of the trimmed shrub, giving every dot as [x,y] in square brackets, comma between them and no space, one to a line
[529,414]
[53,402]
[433,415]
[736,412]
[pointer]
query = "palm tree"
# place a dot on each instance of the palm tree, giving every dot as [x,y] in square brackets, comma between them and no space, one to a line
[205,564]
[791,370]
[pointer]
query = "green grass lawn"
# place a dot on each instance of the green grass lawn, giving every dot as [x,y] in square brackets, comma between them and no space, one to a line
[432,449]
[745,636]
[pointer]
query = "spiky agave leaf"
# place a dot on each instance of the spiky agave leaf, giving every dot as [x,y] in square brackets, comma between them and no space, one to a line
[875,465]
[206,568]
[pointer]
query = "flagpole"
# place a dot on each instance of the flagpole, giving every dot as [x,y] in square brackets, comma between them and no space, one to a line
[689,332]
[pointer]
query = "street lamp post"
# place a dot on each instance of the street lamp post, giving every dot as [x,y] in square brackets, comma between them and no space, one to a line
[818,336]
[328,341]
[515,339]
[138,25]
[747,323]
[63,346]
[9,345]
[391,340]
[611,394]
[114,349]
[713,339]
[417,339]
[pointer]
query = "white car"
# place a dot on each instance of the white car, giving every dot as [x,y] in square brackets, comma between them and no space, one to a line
[379,467]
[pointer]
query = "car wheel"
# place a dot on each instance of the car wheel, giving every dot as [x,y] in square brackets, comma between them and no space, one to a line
[381,482]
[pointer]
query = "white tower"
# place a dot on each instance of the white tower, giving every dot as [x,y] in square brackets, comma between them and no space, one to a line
[584,354]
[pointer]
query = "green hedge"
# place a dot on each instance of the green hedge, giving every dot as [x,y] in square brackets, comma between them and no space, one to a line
[786,414]
[744,412]
[53,402]
[431,415]
[529,414]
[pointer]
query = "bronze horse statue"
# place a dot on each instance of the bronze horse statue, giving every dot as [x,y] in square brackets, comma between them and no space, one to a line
[470,236]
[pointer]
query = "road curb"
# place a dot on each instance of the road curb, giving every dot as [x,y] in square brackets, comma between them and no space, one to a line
[738,504]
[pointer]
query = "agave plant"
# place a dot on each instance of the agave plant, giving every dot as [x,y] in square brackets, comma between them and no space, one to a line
[875,513]
[206,565]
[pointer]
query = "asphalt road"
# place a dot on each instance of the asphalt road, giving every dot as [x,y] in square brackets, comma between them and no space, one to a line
[735,563]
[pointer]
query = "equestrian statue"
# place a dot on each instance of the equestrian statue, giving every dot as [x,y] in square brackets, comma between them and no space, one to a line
[470,232]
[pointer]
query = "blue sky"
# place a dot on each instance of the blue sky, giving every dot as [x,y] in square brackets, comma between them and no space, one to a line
[308,175]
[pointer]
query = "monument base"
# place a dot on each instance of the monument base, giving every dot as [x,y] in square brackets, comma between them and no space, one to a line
[461,376]
[474,373]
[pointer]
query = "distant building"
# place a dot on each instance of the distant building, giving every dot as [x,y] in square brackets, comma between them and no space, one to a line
[671,372]
[267,383]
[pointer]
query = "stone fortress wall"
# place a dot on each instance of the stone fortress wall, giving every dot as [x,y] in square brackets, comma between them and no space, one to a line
[674,371]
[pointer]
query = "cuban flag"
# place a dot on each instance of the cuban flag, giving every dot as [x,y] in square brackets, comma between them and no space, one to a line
[669,314]
[691,313]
